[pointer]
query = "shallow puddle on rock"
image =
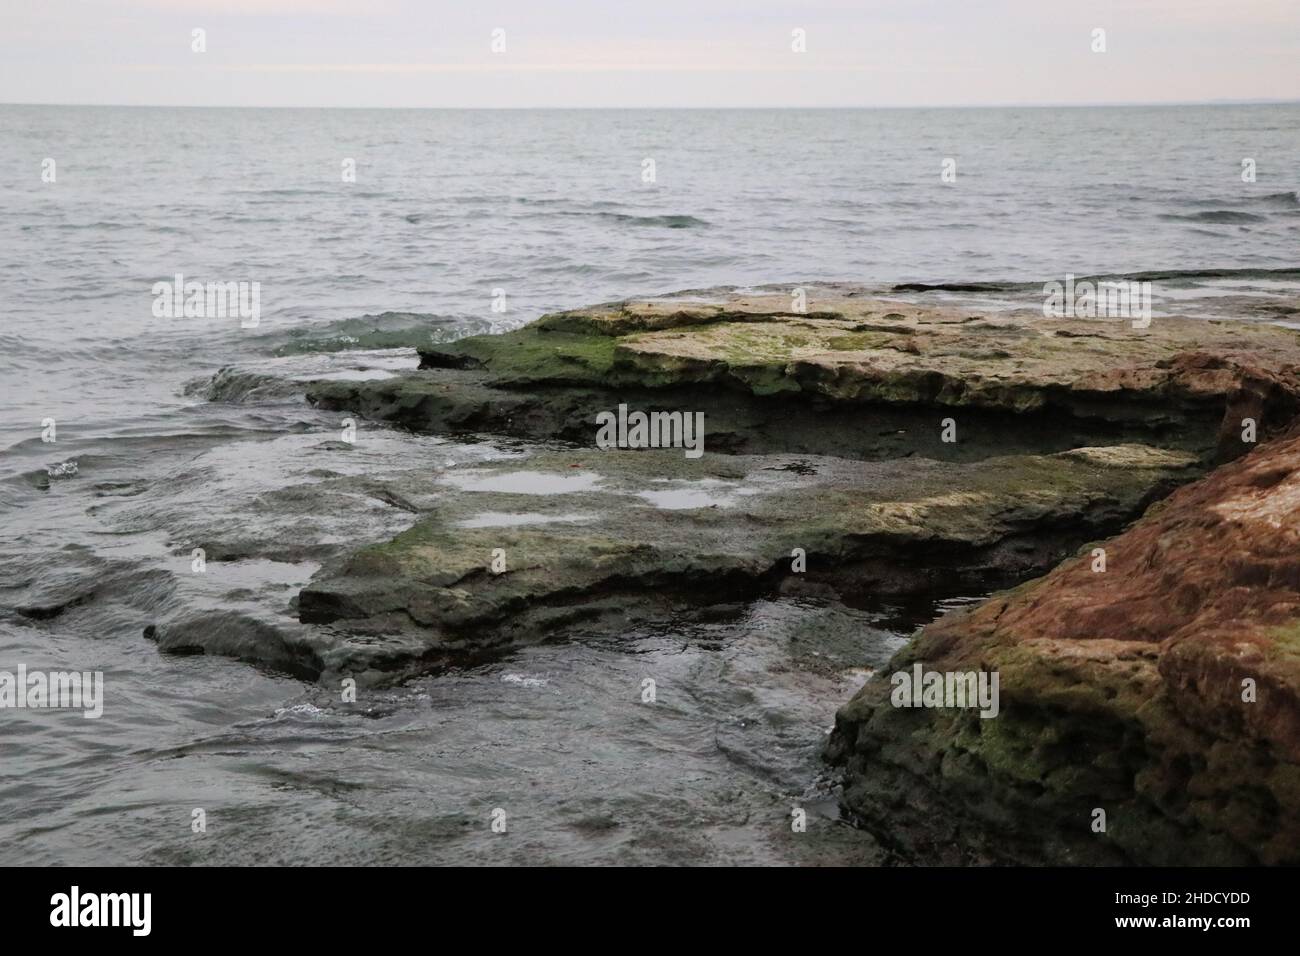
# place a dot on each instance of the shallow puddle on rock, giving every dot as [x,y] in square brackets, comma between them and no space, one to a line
[525,482]
[249,575]
[706,493]
[502,519]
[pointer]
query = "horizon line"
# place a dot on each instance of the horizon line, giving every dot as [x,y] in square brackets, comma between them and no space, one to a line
[1250,101]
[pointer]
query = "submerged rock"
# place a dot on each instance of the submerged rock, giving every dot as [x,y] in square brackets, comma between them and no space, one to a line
[1163,692]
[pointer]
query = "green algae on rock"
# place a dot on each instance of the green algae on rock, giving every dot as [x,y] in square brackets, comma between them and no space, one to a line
[1066,429]
[1164,691]
[608,538]
[750,357]
[825,426]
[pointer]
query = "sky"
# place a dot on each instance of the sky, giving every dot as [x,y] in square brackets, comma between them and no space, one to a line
[654,53]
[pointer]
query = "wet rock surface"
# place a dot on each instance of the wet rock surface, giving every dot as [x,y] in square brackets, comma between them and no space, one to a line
[903,448]
[830,472]
[750,362]
[1164,690]
[520,552]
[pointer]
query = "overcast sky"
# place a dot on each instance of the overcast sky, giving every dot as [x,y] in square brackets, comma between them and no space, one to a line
[698,53]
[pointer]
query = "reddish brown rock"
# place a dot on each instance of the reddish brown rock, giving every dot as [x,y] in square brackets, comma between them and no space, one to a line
[1164,691]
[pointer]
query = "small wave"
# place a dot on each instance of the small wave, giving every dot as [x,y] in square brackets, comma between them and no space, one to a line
[281,192]
[243,220]
[603,211]
[72,226]
[667,222]
[1223,216]
[388,330]
[958,286]
[1168,275]
[233,386]
[523,681]
[1164,275]
[1283,200]
[597,205]
[306,710]
[633,220]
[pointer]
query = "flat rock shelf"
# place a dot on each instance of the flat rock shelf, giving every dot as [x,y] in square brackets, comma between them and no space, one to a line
[865,449]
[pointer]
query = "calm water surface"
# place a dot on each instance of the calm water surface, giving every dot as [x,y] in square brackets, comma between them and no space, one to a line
[448,207]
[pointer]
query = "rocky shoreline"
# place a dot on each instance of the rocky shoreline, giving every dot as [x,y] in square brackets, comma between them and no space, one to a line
[1161,691]
[863,449]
